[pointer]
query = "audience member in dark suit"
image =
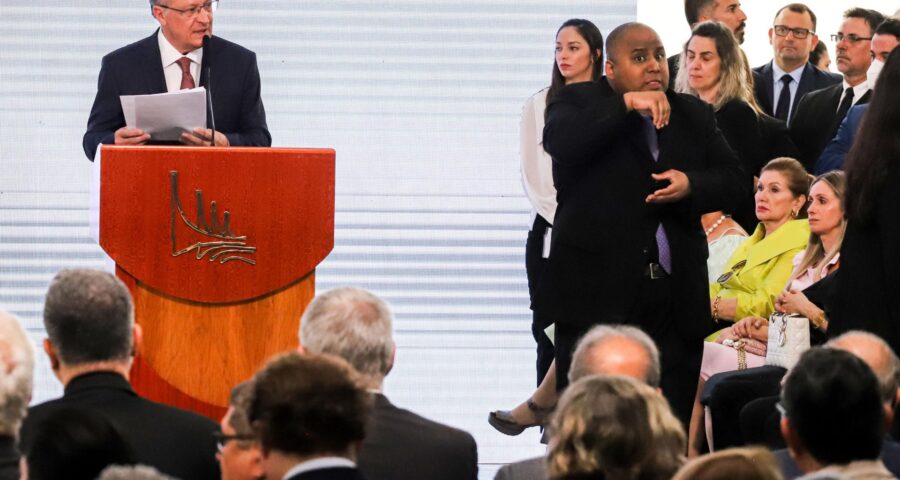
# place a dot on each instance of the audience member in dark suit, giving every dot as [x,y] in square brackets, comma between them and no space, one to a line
[886,366]
[151,66]
[75,443]
[604,349]
[240,454]
[833,417]
[869,279]
[356,325]
[792,37]
[17,367]
[728,12]
[819,113]
[309,413]
[886,38]
[635,165]
[89,319]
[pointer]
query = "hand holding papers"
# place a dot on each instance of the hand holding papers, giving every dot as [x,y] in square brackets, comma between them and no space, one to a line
[165,116]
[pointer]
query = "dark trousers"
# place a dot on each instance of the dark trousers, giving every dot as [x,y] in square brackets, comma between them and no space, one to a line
[534,268]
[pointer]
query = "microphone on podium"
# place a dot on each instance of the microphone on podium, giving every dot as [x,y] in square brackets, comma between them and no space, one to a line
[207,65]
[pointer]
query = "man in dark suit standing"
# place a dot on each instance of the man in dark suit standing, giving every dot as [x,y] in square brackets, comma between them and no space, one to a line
[820,113]
[173,58]
[309,414]
[356,325]
[635,165]
[89,319]
[781,83]
[726,11]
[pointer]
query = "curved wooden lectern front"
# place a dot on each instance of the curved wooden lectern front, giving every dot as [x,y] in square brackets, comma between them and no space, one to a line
[218,247]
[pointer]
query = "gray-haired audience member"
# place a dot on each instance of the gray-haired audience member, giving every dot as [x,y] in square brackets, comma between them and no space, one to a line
[137,472]
[356,325]
[877,354]
[309,413]
[240,454]
[604,349]
[833,418]
[17,367]
[92,338]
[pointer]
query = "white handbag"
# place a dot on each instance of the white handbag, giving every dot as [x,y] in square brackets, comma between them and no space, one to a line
[788,339]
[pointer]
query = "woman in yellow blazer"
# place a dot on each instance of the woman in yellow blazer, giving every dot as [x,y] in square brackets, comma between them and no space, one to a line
[759,268]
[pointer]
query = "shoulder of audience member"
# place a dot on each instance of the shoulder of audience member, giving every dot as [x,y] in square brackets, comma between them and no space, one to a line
[447,432]
[583,93]
[688,103]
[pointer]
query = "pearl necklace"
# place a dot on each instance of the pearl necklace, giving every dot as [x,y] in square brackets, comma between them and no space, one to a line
[716,224]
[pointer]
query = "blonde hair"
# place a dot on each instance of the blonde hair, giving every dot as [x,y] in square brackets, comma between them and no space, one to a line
[754,463]
[617,427]
[815,254]
[735,78]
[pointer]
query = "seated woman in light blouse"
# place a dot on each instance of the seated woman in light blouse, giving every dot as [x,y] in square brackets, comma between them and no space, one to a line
[820,258]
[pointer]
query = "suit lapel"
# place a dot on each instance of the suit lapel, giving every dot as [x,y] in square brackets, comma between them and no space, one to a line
[766,89]
[807,84]
[789,236]
[155,79]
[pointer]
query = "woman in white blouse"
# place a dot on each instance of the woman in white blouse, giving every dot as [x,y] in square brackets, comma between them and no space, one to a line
[579,58]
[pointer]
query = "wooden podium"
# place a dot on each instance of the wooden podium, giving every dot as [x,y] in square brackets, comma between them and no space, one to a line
[218,247]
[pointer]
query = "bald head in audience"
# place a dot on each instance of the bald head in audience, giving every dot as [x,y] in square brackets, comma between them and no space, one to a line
[616,350]
[877,354]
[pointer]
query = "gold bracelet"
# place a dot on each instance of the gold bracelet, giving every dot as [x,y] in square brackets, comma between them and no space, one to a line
[715,312]
[819,321]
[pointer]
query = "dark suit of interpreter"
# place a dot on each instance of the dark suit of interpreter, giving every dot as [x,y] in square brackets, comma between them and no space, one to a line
[816,122]
[174,441]
[604,231]
[137,69]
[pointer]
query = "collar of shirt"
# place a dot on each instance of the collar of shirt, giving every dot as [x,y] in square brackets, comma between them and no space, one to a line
[795,74]
[319,464]
[169,55]
[858,91]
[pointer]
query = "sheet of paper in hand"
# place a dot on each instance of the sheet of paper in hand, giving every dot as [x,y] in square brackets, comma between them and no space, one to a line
[165,116]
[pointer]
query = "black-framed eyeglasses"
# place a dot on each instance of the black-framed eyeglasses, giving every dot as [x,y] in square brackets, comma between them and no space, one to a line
[222,439]
[780,407]
[734,269]
[209,7]
[851,37]
[799,33]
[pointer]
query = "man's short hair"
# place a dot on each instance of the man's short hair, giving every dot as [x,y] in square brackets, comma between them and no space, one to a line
[873,18]
[890,26]
[308,404]
[798,8]
[693,8]
[89,317]
[832,402]
[16,373]
[137,472]
[887,371]
[600,334]
[240,404]
[353,324]
[615,36]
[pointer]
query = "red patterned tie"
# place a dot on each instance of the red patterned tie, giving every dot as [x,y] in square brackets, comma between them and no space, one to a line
[187,81]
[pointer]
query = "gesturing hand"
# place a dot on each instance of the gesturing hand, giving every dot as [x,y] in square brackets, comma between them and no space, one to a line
[654,103]
[678,188]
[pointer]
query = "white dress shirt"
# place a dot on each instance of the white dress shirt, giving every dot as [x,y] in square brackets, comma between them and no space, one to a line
[858,92]
[319,464]
[171,69]
[537,166]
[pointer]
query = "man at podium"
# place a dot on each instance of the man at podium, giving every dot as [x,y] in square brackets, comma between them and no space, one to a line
[174,58]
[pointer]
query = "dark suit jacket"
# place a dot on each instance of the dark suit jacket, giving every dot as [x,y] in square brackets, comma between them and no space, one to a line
[401,445]
[530,469]
[890,455]
[832,157]
[815,122]
[867,289]
[336,473]
[137,69]
[175,442]
[9,458]
[602,167]
[811,80]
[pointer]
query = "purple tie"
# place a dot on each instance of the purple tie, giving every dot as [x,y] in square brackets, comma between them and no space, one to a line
[662,241]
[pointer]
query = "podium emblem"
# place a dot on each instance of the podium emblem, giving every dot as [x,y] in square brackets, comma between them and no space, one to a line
[220,243]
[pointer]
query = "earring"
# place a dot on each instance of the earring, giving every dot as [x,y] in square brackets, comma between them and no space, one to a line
[794,213]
